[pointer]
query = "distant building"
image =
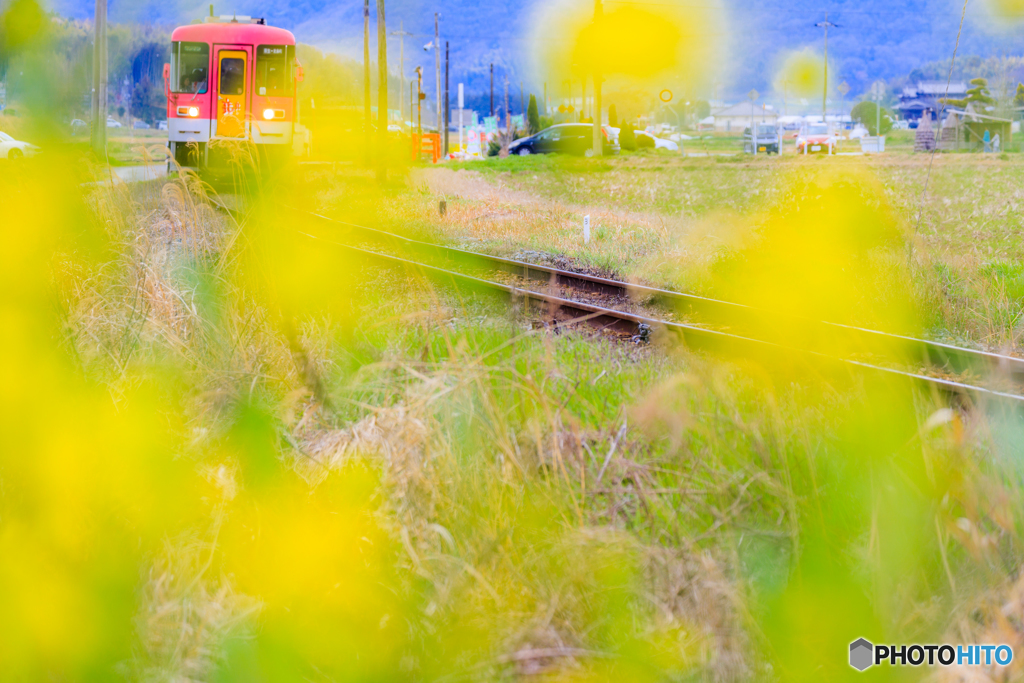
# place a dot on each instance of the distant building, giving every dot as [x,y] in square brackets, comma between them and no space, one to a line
[923,97]
[738,116]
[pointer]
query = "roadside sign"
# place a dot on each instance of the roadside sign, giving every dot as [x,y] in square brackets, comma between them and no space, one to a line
[490,124]
[586,229]
[753,95]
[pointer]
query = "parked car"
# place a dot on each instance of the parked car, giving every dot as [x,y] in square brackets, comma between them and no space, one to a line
[161,125]
[78,126]
[111,123]
[768,140]
[15,149]
[658,142]
[564,138]
[816,138]
[141,125]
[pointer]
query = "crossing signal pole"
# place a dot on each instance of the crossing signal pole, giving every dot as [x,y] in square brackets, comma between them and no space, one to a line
[492,88]
[447,102]
[437,66]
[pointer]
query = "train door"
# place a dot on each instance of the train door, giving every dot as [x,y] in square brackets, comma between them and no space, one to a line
[232,92]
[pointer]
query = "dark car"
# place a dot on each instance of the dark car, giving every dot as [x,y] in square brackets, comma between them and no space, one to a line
[767,140]
[564,138]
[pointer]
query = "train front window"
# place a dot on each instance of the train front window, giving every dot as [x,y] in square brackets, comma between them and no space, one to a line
[232,76]
[273,70]
[190,67]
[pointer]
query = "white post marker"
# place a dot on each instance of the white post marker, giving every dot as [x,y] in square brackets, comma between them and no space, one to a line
[586,229]
[461,104]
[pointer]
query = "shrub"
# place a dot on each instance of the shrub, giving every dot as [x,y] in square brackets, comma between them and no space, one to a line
[627,140]
[613,116]
[865,112]
[533,116]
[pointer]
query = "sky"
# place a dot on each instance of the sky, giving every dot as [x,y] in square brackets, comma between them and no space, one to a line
[872,39]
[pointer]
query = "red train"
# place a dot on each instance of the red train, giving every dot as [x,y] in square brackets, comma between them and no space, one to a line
[232,79]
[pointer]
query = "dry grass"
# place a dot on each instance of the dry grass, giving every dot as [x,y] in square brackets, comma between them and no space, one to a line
[401,483]
[671,222]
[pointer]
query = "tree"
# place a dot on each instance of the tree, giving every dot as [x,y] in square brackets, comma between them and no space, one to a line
[613,116]
[979,93]
[702,108]
[1018,100]
[532,115]
[627,140]
[867,113]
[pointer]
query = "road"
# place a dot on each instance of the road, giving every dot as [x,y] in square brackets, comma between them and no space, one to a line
[134,174]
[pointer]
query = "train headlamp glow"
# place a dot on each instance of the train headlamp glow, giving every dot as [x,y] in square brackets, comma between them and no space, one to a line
[193,112]
[268,114]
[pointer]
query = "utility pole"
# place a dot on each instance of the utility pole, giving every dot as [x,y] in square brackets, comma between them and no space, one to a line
[437,66]
[99,81]
[522,100]
[824,96]
[401,33]
[598,143]
[382,93]
[492,89]
[366,78]
[419,108]
[412,98]
[508,114]
[447,114]
[583,98]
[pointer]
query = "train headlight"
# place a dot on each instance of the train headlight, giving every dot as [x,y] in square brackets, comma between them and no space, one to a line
[193,112]
[268,114]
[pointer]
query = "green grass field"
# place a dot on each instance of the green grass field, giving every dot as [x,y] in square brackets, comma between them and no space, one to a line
[241,454]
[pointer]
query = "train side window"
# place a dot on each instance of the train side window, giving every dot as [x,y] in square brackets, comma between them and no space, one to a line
[190,67]
[273,70]
[232,76]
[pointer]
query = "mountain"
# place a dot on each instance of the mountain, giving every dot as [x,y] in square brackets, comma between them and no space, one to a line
[872,39]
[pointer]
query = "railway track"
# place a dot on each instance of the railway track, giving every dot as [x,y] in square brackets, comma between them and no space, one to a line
[726,328]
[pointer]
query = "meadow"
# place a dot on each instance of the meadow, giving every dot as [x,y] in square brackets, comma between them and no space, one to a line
[237,454]
[674,222]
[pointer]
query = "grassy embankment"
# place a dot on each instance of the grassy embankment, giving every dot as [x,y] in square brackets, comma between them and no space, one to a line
[678,223]
[261,458]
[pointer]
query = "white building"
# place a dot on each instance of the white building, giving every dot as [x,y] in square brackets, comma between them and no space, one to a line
[738,116]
